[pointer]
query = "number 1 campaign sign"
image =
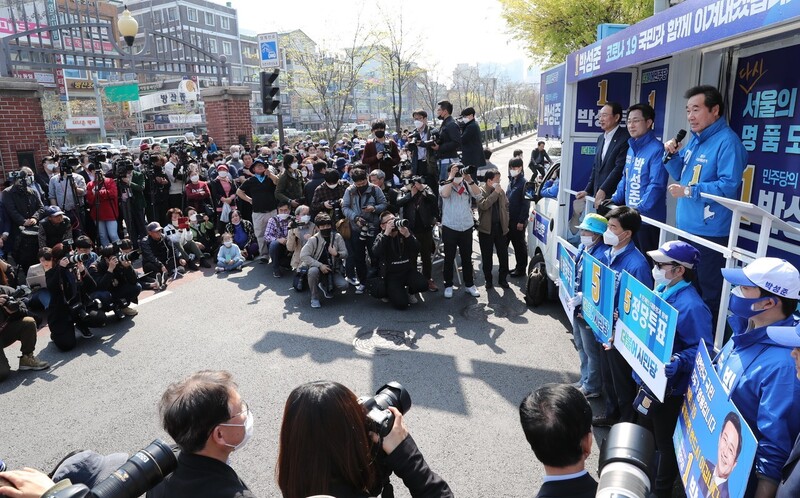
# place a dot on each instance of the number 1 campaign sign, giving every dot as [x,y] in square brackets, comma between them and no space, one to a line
[645,332]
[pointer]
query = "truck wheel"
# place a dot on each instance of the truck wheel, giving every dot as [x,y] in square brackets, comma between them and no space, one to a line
[536,284]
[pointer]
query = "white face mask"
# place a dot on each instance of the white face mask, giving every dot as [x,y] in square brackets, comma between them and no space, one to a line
[248,431]
[514,173]
[417,124]
[660,276]
[304,173]
[51,166]
[235,155]
[305,218]
[294,166]
[194,178]
[587,241]
[457,180]
[610,238]
[331,186]
[228,243]
[223,174]
[283,216]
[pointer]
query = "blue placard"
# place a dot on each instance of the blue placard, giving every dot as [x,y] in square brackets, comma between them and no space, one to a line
[269,50]
[566,278]
[685,26]
[706,444]
[597,285]
[653,91]
[541,226]
[551,101]
[595,93]
[645,332]
[764,113]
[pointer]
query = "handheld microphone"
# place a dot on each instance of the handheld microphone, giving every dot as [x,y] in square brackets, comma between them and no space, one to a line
[678,138]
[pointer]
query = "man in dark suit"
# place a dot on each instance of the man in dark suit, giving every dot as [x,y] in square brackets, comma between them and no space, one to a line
[471,144]
[557,422]
[449,139]
[609,159]
[728,450]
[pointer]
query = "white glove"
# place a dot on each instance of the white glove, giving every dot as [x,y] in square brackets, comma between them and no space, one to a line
[577,300]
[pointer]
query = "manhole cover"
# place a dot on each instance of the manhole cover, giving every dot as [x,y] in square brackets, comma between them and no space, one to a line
[382,341]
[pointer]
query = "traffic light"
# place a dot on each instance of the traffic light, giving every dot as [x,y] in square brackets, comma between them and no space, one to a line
[269,91]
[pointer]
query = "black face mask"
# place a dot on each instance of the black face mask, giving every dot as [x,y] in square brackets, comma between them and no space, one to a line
[326,233]
[380,133]
[363,189]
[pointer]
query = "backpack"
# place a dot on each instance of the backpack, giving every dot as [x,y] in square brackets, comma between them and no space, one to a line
[536,284]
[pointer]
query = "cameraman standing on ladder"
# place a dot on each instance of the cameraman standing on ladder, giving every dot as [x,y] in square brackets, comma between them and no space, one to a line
[449,140]
[174,170]
[67,190]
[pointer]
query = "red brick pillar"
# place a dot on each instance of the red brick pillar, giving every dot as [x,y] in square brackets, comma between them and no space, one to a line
[228,114]
[22,136]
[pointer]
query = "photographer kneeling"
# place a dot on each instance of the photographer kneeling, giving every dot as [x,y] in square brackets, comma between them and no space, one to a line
[337,453]
[396,250]
[116,279]
[321,255]
[17,325]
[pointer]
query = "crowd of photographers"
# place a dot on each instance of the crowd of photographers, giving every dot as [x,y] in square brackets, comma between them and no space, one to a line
[357,212]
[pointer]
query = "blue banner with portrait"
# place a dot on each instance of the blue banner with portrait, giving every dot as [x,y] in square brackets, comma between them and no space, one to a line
[597,285]
[566,277]
[645,332]
[653,91]
[551,101]
[714,445]
[764,113]
[594,93]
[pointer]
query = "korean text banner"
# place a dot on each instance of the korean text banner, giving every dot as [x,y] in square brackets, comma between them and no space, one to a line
[653,91]
[645,332]
[764,113]
[684,26]
[594,93]
[710,434]
[566,278]
[597,285]
[551,101]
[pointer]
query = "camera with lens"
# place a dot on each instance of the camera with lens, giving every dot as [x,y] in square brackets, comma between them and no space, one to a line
[463,171]
[367,232]
[148,467]
[22,176]
[96,156]
[77,258]
[14,300]
[379,419]
[67,164]
[435,138]
[68,244]
[122,166]
[128,256]
[628,462]
[400,223]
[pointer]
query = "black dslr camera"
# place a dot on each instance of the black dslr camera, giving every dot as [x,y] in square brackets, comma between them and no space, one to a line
[379,419]
[142,471]
[435,138]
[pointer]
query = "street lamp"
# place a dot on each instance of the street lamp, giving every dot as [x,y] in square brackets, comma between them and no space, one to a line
[127,26]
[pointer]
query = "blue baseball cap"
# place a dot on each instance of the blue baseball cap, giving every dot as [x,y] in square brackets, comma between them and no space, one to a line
[785,336]
[774,275]
[53,211]
[593,222]
[676,251]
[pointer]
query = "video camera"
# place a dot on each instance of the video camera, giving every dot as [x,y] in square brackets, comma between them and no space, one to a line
[184,150]
[96,157]
[68,163]
[379,419]
[22,176]
[148,467]
[14,300]
[628,462]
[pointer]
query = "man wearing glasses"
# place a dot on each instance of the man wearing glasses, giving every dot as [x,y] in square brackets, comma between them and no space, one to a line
[609,159]
[208,420]
[644,180]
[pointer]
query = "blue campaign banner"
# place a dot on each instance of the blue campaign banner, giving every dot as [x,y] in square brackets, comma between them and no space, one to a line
[582,159]
[653,91]
[541,225]
[764,113]
[551,101]
[710,434]
[597,285]
[684,26]
[645,332]
[566,277]
[594,93]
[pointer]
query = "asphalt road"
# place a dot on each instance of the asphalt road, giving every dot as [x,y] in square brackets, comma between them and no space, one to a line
[471,363]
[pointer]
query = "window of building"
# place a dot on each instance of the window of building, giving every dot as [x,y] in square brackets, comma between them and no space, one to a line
[160,45]
[191,14]
[174,45]
[212,45]
[157,17]
[209,18]
[172,14]
[224,23]
[75,73]
[226,48]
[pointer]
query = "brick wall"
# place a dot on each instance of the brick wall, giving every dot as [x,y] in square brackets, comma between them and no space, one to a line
[21,123]
[228,114]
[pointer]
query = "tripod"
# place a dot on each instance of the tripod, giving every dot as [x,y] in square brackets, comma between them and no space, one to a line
[76,200]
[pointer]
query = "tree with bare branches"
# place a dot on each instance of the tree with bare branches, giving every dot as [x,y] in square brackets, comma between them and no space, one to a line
[399,62]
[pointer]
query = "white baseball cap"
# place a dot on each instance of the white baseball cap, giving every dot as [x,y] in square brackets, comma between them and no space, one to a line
[774,275]
[785,336]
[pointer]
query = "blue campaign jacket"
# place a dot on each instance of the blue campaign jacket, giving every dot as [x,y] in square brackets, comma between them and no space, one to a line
[717,152]
[644,180]
[761,378]
[518,207]
[694,325]
[630,260]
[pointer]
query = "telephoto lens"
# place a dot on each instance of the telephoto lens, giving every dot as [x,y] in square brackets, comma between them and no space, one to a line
[140,473]
[464,171]
[78,258]
[400,223]
[379,419]
[129,256]
[628,462]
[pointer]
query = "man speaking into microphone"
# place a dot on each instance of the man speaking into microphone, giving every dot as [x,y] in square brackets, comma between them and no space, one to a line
[712,162]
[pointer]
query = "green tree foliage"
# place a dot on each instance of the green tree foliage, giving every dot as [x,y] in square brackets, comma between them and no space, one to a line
[552,29]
